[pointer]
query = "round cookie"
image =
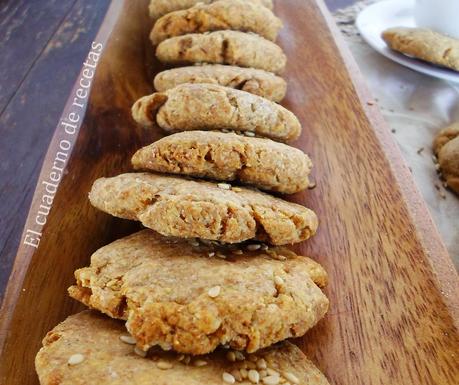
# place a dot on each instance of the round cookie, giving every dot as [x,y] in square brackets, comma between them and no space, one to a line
[190,107]
[424,44]
[236,15]
[158,8]
[197,209]
[257,82]
[104,359]
[446,148]
[191,297]
[223,47]
[262,163]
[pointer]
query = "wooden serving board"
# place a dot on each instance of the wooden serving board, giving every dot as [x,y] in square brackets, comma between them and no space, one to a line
[393,289]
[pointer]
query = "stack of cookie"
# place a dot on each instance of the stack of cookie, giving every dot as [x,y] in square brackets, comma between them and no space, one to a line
[208,291]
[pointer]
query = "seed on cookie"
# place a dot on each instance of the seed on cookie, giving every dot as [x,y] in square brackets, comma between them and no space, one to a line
[236,15]
[163,285]
[197,209]
[205,107]
[255,81]
[113,359]
[223,47]
[75,359]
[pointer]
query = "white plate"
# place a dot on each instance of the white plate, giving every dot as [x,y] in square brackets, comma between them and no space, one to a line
[396,13]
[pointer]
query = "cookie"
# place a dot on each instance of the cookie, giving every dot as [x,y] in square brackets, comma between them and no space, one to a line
[94,345]
[190,107]
[424,44]
[236,15]
[158,8]
[194,298]
[257,82]
[446,148]
[186,208]
[263,163]
[223,47]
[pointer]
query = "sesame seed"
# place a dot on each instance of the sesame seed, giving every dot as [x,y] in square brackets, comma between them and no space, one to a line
[228,378]
[75,359]
[249,133]
[128,339]
[200,363]
[251,365]
[261,364]
[239,356]
[271,380]
[193,242]
[238,252]
[140,352]
[281,257]
[263,373]
[164,365]
[264,247]
[214,291]
[181,357]
[237,375]
[254,376]
[211,254]
[253,246]
[231,356]
[220,255]
[244,373]
[272,372]
[224,186]
[278,280]
[291,377]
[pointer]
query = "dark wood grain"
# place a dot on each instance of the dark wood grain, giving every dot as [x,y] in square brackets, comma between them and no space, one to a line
[43,45]
[393,289]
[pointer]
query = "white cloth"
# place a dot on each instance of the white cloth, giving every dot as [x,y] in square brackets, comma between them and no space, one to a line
[415,106]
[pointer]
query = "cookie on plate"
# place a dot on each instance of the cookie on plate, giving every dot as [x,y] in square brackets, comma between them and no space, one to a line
[236,15]
[190,107]
[158,8]
[194,298]
[424,44]
[223,47]
[88,348]
[186,208]
[446,148]
[263,163]
[257,82]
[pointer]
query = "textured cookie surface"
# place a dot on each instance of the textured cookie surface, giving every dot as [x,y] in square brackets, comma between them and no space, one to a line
[177,296]
[258,82]
[424,44]
[185,208]
[160,8]
[446,148]
[237,15]
[223,47]
[106,360]
[262,163]
[211,107]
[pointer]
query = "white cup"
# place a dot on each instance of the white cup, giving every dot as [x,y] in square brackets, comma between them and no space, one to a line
[440,15]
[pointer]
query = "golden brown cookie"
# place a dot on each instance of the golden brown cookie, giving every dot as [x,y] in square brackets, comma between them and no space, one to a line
[257,82]
[236,15]
[262,163]
[94,344]
[223,47]
[160,8]
[424,44]
[186,208]
[190,107]
[446,148]
[194,298]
